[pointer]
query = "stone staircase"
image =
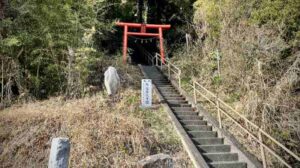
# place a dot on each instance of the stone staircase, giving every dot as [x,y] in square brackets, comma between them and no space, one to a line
[209,144]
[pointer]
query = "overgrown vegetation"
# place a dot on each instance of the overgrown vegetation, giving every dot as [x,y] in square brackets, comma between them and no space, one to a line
[102,133]
[55,48]
[46,47]
[258,46]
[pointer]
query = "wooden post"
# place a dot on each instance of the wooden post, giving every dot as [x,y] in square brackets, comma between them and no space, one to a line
[262,150]
[125,41]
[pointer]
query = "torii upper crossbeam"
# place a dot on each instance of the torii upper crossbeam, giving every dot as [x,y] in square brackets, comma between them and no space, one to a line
[143,32]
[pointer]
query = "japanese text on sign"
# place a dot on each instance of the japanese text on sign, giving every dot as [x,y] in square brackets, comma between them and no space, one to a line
[146,93]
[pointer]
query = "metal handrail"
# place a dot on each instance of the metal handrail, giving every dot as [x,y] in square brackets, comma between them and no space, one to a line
[217,101]
[170,67]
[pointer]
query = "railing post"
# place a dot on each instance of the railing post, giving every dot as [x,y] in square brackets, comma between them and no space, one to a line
[156,60]
[219,113]
[152,60]
[169,70]
[179,79]
[195,95]
[262,150]
[161,63]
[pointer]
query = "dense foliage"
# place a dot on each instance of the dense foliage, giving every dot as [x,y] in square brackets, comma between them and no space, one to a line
[59,47]
[48,47]
[35,36]
[257,43]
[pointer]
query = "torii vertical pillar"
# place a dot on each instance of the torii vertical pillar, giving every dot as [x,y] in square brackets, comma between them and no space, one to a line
[125,43]
[143,32]
[161,43]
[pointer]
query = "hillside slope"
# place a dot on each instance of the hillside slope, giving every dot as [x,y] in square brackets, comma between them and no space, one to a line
[102,133]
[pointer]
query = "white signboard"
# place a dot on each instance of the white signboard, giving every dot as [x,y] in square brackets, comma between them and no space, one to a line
[146,93]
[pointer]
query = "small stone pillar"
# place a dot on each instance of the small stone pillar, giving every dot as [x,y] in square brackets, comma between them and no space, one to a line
[59,153]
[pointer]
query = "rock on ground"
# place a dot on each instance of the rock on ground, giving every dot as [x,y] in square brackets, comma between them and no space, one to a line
[111,80]
[156,161]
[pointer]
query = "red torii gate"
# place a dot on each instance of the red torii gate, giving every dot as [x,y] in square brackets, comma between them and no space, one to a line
[144,33]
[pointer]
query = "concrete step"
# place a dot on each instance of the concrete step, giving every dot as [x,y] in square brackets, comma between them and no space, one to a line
[198,128]
[183,109]
[208,141]
[168,94]
[160,79]
[180,105]
[228,165]
[213,148]
[218,157]
[161,82]
[190,117]
[193,122]
[210,146]
[159,85]
[171,95]
[203,134]
[165,87]
[168,91]
[174,98]
[178,101]
[186,113]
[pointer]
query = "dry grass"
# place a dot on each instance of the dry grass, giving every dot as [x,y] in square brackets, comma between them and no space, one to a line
[102,133]
[257,79]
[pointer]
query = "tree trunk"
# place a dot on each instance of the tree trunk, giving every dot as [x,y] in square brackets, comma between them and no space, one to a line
[140,10]
[3,5]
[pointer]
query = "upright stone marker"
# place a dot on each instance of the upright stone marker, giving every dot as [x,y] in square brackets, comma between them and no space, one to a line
[59,153]
[146,93]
